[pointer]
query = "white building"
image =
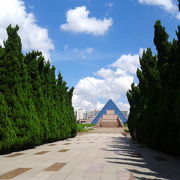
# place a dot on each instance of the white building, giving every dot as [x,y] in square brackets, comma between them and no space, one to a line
[79,114]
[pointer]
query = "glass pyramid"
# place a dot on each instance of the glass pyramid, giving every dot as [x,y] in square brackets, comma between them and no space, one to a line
[109,106]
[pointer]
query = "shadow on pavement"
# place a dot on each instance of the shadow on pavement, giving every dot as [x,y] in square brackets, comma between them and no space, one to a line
[143,162]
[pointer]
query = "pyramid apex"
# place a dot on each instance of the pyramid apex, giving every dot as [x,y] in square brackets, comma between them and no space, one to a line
[110,100]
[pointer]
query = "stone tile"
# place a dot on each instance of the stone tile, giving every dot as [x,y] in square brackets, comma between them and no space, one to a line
[44,175]
[41,152]
[55,167]
[15,154]
[52,144]
[66,144]
[57,177]
[112,176]
[77,176]
[63,150]
[29,174]
[14,173]
[92,176]
[95,169]
[63,171]
[92,161]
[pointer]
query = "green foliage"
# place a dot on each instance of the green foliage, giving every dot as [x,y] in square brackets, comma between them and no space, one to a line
[126,124]
[83,127]
[154,117]
[35,107]
[126,130]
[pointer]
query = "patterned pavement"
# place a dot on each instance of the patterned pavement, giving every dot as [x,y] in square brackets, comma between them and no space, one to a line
[103,154]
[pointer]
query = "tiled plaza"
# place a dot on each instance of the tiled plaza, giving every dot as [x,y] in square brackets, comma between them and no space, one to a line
[99,155]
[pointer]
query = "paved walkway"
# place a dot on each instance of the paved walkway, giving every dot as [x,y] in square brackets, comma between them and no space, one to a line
[90,156]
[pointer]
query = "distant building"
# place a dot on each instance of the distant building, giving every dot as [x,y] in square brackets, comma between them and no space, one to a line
[79,114]
[85,116]
[90,115]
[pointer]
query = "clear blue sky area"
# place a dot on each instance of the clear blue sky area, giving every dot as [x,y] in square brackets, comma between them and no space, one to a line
[96,43]
[132,29]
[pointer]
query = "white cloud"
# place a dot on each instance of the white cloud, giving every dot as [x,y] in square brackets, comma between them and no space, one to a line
[78,21]
[89,90]
[86,104]
[110,83]
[167,5]
[33,36]
[123,106]
[127,63]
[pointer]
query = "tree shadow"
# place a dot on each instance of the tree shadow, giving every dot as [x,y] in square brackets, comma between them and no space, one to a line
[143,162]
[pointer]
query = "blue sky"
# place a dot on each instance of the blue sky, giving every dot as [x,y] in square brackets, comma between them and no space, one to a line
[98,59]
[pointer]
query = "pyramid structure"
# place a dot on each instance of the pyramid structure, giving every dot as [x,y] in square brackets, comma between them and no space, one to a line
[109,116]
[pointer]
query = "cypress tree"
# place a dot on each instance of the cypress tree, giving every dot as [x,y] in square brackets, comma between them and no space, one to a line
[16,92]
[154,117]
[73,124]
[35,107]
[7,134]
[31,60]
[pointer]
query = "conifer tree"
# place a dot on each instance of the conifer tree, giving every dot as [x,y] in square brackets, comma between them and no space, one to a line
[7,134]
[35,107]
[154,117]
[16,91]
[31,60]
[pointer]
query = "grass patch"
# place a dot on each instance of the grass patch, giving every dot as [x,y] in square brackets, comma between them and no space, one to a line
[126,124]
[126,130]
[83,127]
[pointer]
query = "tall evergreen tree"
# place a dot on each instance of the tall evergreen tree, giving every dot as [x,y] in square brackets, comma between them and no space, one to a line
[7,134]
[31,60]
[154,117]
[35,107]
[16,93]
